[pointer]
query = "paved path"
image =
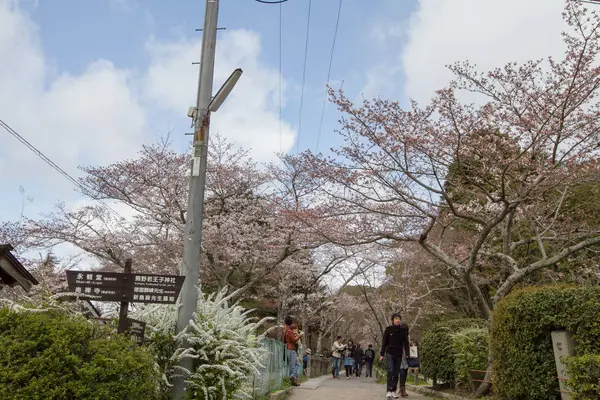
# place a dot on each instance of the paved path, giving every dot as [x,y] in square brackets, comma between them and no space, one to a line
[326,388]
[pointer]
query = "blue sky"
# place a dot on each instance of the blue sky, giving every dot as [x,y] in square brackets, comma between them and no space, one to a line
[74,33]
[88,82]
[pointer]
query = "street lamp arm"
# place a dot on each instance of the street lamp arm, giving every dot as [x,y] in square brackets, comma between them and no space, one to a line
[225,90]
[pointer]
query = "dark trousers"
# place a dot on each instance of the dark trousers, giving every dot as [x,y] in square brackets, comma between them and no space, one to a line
[358,366]
[393,370]
[348,370]
[369,368]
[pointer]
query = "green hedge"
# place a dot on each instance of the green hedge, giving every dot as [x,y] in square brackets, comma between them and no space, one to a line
[437,353]
[521,343]
[470,347]
[48,355]
[585,376]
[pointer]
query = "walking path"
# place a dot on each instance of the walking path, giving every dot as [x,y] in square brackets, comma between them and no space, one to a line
[326,388]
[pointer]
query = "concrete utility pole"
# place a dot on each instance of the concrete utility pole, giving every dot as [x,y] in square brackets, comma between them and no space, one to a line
[192,246]
[195,210]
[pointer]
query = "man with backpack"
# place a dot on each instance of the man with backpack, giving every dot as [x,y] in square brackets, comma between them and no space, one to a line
[369,358]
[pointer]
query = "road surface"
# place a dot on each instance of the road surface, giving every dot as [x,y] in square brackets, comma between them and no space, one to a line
[326,388]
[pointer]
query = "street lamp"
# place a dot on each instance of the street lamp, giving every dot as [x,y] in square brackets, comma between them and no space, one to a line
[222,94]
[227,87]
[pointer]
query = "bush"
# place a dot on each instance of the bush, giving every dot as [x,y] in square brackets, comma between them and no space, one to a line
[521,343]
[585,376]
[437,352]
[49,355]
[470,347]
[226,350]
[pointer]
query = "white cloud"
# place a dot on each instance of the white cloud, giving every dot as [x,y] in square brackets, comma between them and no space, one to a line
[381,81]
[249,116]
[100,115]
[89,118]
[488,33]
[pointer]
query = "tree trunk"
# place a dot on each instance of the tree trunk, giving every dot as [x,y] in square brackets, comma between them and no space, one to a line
[485,387]
[486,310]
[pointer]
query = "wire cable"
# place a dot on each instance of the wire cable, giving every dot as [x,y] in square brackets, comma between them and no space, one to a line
[303,77]
[337,24]
[271,2]
[54,165]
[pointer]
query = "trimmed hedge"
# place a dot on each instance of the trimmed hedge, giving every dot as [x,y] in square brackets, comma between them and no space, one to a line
[471,352]
[437,352]
[585,376]
[49,355]
[521,343]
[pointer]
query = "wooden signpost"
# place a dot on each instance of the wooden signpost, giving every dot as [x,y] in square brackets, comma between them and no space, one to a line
[125,287]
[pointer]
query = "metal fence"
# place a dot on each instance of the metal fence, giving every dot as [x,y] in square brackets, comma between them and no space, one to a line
[274,369]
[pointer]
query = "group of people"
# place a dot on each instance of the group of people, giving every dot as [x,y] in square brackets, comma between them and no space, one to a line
[353,358]
[395,351]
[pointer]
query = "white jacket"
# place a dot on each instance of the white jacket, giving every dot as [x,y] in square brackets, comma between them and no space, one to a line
[336,349]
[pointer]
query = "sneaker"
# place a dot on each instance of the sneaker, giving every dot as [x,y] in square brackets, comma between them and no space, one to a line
[388,395]
[395,395]
[347,378]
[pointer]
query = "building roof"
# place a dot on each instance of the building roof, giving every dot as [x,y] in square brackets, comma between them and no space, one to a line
[5,251]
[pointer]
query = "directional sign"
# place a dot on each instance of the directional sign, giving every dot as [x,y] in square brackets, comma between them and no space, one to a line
[136,330]
[156,288]
[114,286]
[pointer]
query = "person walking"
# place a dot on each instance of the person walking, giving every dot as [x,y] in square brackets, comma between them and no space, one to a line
[337,353]
[292,336]
[306,361]
[358,360]
[395,349]
[349,358]
[369,358]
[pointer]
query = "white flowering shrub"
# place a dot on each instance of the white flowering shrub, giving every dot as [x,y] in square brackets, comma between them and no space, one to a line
[225,348]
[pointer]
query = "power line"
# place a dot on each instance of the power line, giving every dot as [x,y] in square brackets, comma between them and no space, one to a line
[271,2]
[303,77]
[337,23]
[51,163]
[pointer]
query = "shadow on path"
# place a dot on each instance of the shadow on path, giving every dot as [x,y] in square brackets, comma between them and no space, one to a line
[326,388]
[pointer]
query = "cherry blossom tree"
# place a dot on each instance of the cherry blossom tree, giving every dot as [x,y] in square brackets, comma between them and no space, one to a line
[248,232]
[499,169]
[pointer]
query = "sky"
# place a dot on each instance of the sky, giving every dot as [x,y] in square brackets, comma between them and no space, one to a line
[90,82]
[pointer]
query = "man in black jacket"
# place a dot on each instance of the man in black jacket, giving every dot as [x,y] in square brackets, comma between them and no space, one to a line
[395,348]
[358,360]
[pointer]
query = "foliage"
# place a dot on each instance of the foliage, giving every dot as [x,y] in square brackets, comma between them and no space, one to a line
[225,348]
[163,346]
[438,349]
[470,346]
[474,182]
[521,343]
[247,230]
[49,355]
[585,376]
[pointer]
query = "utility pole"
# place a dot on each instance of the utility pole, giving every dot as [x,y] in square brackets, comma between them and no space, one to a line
[192,246]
